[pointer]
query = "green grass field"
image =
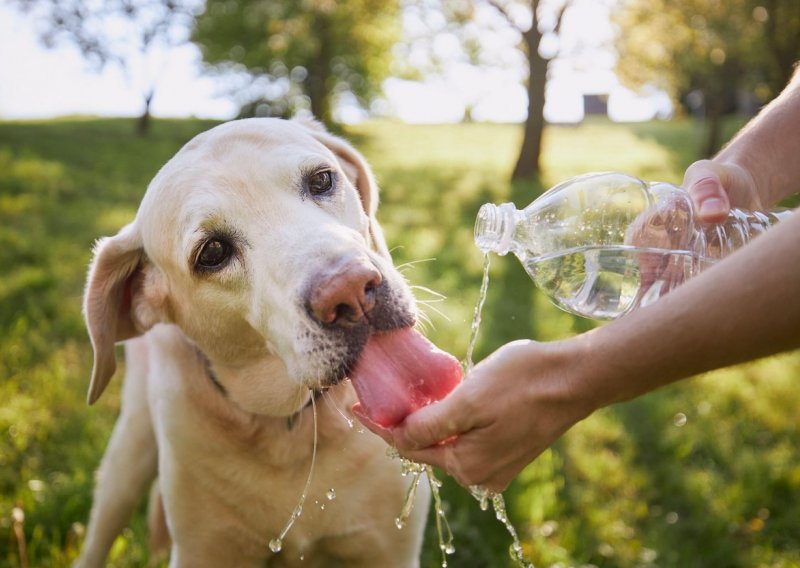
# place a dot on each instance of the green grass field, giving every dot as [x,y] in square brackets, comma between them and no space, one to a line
[701,474]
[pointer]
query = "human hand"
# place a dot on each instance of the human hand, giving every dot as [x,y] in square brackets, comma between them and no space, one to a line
[715,187]
[510,408]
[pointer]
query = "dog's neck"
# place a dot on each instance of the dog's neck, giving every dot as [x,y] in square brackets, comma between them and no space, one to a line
[290,421]
[261,387]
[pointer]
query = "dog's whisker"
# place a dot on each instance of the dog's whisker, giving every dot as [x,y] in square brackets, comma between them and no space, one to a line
[423,315]
[429,306]
[438,297]
[413,263]
[424,323]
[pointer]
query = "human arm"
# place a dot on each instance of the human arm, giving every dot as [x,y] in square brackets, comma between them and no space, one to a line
[523,397]
[520,399]
[758,167]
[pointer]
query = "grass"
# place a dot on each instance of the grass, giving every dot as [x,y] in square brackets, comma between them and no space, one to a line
[704,473]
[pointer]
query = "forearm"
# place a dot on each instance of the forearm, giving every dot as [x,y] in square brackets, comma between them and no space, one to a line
[745,307]
[768,147]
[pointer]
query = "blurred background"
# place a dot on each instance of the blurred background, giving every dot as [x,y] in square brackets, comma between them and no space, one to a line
[455,103]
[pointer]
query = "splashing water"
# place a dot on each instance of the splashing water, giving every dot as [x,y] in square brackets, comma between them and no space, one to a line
[416,471]
[276,544]
[483,495]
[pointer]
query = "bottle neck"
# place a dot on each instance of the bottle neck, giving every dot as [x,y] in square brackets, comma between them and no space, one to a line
[494,228]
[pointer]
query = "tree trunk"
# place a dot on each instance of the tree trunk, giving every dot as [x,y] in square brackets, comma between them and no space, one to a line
[143,123]
[528,163]
[713,139]
[720,100]
[319,72]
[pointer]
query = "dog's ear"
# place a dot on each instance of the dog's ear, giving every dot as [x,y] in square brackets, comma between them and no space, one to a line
[359,173]
[114,278]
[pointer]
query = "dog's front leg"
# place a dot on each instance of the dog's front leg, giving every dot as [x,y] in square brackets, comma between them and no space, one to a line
[129,464]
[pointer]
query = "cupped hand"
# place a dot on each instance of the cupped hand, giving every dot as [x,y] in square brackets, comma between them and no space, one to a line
[509,409]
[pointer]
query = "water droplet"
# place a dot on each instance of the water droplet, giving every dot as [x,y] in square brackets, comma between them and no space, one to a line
[331,494]
[275,545]
[672,518]
[679,419]
[322,507]
[398,522]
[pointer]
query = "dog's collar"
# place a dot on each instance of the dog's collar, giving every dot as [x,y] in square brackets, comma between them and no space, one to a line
[315,394]
[214,380]
[290,421]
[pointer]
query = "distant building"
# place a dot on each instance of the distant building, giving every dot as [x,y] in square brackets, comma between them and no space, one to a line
[595,104]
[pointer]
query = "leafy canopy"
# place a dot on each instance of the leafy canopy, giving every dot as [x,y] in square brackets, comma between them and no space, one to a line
[316,49]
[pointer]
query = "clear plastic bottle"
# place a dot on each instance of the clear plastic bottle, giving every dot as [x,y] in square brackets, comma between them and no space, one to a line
[601,245]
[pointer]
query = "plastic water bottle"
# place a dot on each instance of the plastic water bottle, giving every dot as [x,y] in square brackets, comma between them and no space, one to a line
[601,245]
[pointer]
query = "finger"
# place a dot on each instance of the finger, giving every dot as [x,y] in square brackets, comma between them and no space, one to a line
[703,181]
[461,466]
[433,424]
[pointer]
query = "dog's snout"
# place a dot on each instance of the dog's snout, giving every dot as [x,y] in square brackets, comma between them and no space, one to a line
[345,294]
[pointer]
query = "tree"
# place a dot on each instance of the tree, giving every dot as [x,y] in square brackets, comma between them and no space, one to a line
[468,21]
[127,33]
[302,50]
[529,162]
[713,48]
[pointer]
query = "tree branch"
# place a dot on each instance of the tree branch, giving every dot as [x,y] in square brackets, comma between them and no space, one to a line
[501,7]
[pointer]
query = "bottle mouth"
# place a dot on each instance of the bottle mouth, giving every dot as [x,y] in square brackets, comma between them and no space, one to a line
[494,228]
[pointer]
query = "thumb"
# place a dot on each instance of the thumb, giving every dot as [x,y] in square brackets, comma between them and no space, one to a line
[704,182]
[432,424]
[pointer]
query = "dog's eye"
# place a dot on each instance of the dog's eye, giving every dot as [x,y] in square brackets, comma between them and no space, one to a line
[320,183]
[214,254]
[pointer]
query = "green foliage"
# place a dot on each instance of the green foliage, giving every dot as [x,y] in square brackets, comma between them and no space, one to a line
[317,49]
[681,45]
[704,473]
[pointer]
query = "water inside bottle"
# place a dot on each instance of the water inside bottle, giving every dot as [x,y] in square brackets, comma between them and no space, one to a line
[605,282]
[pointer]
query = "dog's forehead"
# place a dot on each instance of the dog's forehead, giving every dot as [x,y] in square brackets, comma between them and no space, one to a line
[265,132]
[248,143]
[243,155]
[225,175]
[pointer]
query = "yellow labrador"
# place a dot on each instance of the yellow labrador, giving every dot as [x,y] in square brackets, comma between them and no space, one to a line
[250,280]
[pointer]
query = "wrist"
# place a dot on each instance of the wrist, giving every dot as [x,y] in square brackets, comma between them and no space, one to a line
[579,380]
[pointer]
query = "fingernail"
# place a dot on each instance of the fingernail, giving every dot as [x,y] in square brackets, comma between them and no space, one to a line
[712,207]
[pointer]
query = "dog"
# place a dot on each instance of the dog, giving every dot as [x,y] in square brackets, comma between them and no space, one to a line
[245,289]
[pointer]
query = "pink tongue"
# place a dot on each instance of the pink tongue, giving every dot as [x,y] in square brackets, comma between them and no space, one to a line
[399,372]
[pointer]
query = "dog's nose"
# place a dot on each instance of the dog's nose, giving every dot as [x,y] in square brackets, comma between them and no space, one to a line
[344,294]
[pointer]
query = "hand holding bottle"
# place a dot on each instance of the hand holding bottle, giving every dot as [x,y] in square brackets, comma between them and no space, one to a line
[716,187]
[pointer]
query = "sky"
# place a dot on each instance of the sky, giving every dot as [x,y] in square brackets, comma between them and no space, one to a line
[36,82]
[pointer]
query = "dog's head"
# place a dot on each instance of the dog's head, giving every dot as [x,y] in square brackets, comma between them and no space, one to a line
[259,240]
